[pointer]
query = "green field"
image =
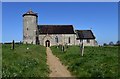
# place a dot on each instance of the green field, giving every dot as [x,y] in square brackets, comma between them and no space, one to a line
[96,62]
[0,60]
[21,62]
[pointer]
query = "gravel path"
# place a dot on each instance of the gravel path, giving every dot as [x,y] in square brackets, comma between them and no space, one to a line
[57,69]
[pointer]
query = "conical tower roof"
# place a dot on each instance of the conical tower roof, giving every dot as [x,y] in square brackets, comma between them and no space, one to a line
[30,12]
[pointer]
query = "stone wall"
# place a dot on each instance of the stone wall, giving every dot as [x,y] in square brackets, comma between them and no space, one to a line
[62,39]
[91,43]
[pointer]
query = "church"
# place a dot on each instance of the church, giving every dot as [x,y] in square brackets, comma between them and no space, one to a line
[49,35]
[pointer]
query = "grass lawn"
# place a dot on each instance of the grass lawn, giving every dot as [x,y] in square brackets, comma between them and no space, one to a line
[96,62]
[0,61]
[21,62]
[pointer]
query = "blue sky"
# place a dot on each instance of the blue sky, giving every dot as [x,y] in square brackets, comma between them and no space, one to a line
[102,17]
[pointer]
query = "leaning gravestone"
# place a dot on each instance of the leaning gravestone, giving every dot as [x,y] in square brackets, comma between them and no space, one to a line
[60,47]
[66,46]
[63,48]
[82,48]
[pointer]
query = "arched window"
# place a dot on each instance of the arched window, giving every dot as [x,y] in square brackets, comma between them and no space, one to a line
[69,40]
[56,39]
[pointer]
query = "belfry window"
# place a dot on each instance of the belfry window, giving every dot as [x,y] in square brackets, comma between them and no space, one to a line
[56,39]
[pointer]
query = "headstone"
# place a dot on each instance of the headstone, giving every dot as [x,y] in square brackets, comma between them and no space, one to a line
[63,48]
[20,42]
[13,45]
[67,46]
[82,48]
[32,42]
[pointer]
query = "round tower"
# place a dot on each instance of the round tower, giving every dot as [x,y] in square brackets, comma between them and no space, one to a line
[30,30]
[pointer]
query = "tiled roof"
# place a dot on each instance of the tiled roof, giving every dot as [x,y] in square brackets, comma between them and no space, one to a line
[30,12]
[84,34]
[56,29]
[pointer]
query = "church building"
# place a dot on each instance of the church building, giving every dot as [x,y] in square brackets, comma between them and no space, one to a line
[49,35]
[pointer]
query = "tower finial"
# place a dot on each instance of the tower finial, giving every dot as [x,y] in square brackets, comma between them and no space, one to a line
[30,11]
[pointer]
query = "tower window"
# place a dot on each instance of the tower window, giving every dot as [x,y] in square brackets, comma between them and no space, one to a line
[69,40]
[56,39]
[27,28]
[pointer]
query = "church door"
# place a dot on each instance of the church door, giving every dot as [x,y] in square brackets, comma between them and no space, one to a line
[47,43]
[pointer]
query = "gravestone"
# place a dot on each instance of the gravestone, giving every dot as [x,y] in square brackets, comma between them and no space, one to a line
[13,45]
[63,48]
[82,48]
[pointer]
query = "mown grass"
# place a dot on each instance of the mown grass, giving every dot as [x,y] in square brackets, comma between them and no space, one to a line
[23,62]
[96,62]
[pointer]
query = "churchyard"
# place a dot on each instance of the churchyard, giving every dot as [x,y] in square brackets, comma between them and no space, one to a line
[30,61]
[96,62]
[24,61]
